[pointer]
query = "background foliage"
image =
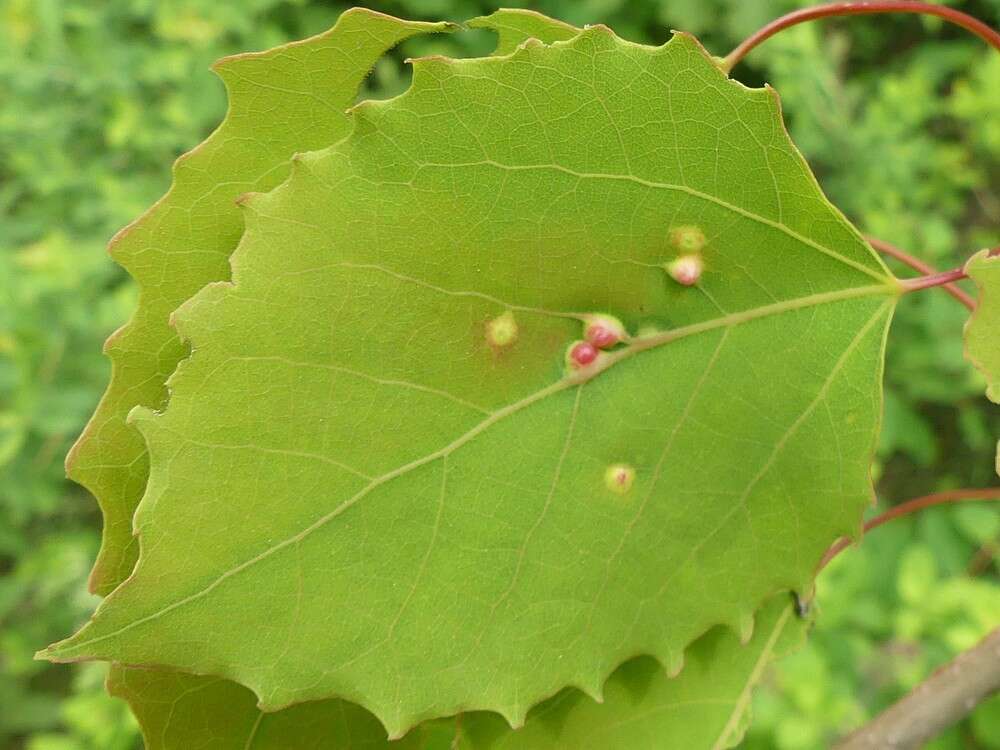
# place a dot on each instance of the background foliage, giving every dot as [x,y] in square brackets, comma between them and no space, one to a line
[898,117]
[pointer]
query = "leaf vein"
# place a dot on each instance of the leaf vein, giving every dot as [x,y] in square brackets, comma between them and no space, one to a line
[778,225]
[762,661]
[371,378]
[780,444]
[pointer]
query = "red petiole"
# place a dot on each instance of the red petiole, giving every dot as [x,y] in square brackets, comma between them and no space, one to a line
[930,278]
[943,278]
[918,265]
[911,506]
[974,25]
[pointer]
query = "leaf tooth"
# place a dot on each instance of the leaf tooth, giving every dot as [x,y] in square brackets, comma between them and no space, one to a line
[514,714]
[394,734]
[673,662]
[741,624]
[592,687]
[244,200]
[296,164]
[429,68]
[746,627]
[140,417]
[362,111]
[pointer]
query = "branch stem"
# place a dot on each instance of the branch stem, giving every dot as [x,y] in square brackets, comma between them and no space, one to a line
[967,22]
[911,506]
[940,701]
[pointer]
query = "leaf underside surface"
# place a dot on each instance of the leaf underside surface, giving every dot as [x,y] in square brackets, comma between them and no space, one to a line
[292,98]
[704,707]
[354,494]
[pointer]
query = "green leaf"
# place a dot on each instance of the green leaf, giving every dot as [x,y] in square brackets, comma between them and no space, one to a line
[982,346]
[288,99]
[513,27]
[982,343]
[354,494]
[221,705]
[704,707]
[179,711]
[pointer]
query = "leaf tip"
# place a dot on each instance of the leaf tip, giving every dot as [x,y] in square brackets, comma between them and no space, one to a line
[58,653]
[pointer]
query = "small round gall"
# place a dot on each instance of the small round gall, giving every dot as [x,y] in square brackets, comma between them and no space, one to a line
[581,354]
[686,269]
[502,330]
[687,239]
[619,478]
[603,331]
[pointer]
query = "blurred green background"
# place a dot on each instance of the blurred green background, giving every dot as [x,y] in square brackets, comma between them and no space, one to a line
[899,117]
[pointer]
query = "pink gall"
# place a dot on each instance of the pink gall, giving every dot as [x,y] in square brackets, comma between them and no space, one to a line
[619,478]
[581,354]
[604,331]
[686,269]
